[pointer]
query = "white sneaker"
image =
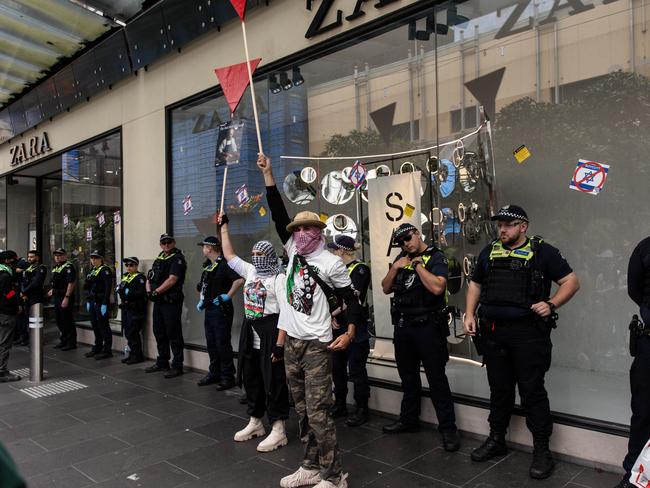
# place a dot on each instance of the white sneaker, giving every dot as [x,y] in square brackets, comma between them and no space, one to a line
[328,484]
[277,438]
[302,477]
[255,428]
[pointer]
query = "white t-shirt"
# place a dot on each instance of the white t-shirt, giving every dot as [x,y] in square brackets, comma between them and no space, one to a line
[260,292]
[306,315]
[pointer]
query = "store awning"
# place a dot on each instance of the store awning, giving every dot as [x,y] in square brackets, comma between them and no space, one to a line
[36,34]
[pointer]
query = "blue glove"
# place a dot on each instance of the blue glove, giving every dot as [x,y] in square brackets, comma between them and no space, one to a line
[126,291]
[200,306]
[88,307]
[224,297]
[103,309]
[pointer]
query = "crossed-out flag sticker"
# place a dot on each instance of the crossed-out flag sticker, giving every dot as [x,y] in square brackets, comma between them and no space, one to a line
[589,177]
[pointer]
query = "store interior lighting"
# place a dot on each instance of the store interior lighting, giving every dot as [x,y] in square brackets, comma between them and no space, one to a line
[297,77]
[274,86]
[285,82]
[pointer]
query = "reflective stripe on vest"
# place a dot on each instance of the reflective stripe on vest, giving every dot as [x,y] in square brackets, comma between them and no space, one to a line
[128,278]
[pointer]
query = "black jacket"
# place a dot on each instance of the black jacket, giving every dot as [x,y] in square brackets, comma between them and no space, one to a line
[8,293]
[32,284]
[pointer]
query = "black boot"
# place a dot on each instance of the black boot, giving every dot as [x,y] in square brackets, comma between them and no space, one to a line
[543,464]
[494,445]
[360,417]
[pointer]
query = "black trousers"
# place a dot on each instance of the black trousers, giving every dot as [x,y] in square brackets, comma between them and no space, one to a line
[132,323]
[276,403]
[518,354]
[101,328]
[168,331]
[351,365]
[640,387]
[65,321]
[427,345]
[218,333]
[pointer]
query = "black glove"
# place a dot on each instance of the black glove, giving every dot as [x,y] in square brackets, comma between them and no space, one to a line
[278,352]
[153,296]
[224,219]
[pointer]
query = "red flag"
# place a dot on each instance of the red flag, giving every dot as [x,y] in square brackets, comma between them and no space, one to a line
[240,7]
[234,80]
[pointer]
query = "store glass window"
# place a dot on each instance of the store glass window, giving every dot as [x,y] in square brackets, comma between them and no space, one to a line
[460,89]
[82,209]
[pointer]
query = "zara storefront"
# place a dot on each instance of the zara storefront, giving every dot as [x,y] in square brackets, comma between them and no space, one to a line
[450,90]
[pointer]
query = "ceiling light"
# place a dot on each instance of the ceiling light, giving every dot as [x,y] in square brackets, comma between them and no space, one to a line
[297,77]
[285,82]
[274,86]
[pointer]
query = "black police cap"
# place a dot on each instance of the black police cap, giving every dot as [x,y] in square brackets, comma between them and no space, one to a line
[166,237]
[131,259]
[404,229]
[209,241]
[59,251]
[509,213]
[96,254]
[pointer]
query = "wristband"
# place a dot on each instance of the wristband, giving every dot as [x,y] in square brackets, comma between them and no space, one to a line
[67,296]
[552,306]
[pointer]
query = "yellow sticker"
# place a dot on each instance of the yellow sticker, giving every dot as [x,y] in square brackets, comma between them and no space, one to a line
[262,211]
[521,154]
[323,217]
[409,209]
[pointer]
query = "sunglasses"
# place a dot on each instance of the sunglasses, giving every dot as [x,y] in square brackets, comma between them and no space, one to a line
[402,240]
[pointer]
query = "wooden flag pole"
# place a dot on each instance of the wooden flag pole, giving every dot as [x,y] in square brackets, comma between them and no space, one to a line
[223,188]
[250,80]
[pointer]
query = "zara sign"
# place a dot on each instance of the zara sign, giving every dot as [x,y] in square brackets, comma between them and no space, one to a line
[34,147]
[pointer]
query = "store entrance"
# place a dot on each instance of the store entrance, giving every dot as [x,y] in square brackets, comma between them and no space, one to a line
[71,201]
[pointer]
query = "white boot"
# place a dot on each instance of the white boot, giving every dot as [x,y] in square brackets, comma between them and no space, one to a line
[328,484]
[255,428]
[277,438]
[302,477]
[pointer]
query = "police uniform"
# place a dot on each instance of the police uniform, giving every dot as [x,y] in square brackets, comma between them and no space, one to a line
[31,289]
[62,275]
[351,363]
[99,286]
[420,337]
[516,341]
[133,295]
[168,308]
[216,280]
[638,288]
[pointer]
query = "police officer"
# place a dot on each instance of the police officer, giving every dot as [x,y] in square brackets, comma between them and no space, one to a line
[638,288]
[355,356]
[64,280]
[218,285]
[133,294]
[165,289]
[512,283]
[31,287]
[9,303]
[98,286]
[418,278]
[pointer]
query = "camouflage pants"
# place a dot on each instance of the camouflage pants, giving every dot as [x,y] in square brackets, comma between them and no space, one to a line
[309,373]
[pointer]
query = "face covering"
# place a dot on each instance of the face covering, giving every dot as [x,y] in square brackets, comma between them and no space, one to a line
[307,240]
[266,265]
